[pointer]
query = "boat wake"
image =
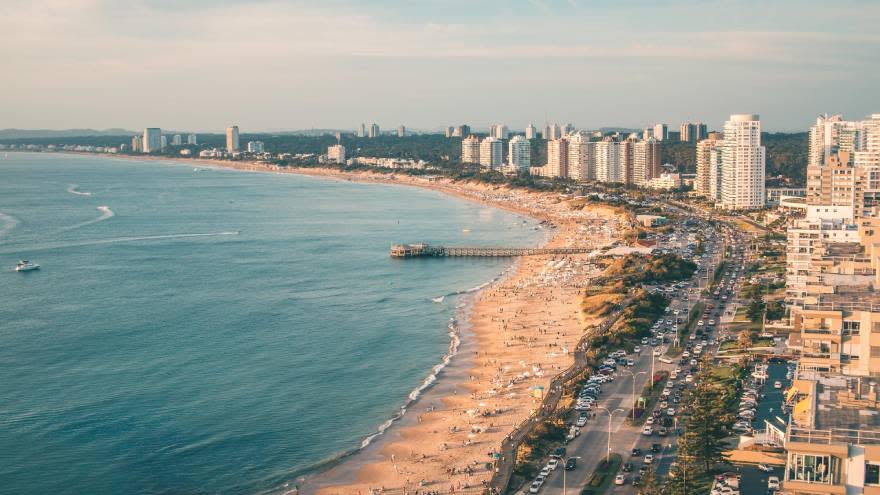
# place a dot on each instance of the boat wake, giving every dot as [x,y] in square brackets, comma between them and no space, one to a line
[61,245]
[106,213]
[7,223]
[72,190]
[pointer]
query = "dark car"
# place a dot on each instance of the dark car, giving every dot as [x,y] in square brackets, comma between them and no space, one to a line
[627,467]
[637,481]
[559,452]
[570,464]
[656,447]
[636,452]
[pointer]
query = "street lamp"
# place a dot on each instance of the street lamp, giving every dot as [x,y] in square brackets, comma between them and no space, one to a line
[564,471]
[634,375]
[610,415]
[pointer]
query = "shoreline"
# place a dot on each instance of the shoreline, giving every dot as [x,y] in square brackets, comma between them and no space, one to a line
[381,462]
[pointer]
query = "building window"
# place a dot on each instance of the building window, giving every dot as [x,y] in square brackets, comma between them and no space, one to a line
[875,351]
[811,468]
[872,474]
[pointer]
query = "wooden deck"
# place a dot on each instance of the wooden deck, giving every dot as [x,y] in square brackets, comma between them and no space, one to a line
[426,251]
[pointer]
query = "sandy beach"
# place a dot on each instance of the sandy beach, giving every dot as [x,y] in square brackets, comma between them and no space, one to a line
[520,333]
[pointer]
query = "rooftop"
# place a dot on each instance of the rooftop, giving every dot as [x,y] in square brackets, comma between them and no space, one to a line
[834,409]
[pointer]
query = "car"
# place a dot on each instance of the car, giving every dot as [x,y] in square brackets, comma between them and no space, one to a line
[689,378]
[570,464]
[647,431]
[630,362]
[545,472]
[553,464]
[559,452]
[627,467]
[636,452]
[644,340]
[637,349]
[662,431]
[619,479]
[649,458]
[656,447]
[536,485]
[581,422]
[670,412]
[643,470]
[773,483]
[637,481]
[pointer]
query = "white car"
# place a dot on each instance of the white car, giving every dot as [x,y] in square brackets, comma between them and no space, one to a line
[545,472]
[649,421]
[619,479]
[773,483]
[689,378]
[670,412]
[581,422]
[535,487]
[647,431]
[637,349]
[553,464]
[649,458]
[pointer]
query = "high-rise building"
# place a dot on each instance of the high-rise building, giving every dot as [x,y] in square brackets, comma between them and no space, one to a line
[705,164]
[580,156]
[232,141]
[531,132]
[567,129]
[462,131]
[646,161]
[661,132]
[163,141]
[692,132]
[519,153]
[552,131]
[373,132]
[702,131]
[336,153]
[137,144]
[256,147]
[491,153]
[192,139]
[742,164]
[715,173]
[470,149]
[608,167]
[557,158]
[152,140]
[177,140]
[449,131]
[627,158]
[363,132]
[499,131]
[401,131]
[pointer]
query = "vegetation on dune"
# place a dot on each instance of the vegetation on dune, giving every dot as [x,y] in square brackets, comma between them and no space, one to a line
[635,269]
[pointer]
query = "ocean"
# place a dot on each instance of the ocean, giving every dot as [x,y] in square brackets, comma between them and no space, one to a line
[211,330]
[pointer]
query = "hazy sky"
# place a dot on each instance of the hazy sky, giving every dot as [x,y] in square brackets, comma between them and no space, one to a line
[272,64]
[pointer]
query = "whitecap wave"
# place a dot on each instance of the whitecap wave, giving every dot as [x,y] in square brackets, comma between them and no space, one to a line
[438,300]
[106,213]
[72,190]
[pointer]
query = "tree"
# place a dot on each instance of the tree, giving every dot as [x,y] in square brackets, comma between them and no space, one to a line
[744,340]
[755,311]
[706,425]
[650,485]
[683,476]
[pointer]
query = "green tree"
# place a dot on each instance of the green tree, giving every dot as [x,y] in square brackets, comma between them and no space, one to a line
[755,311]
[706,425]
[650,485]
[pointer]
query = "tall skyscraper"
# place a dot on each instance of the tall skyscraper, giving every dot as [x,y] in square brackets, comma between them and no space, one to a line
[462,131]
[580,156]
[627,158]
[557,158]
[702,131]
[608,167]
[742,164]
[519,153]
[152,140]
[705,164]
[232,141]
[661,132]
[470,149]
[499,131]
[163,141]
[373,132]
[137,144]
[363,132]
[177,140]
[692,132]
[449,131]
[491,153]
[192,139]
[401,131]
[646,161]
[829,136]
[531,132]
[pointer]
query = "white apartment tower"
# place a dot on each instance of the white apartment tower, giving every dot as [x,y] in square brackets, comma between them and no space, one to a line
[646,162]
[374,130]
[499,131]
[232,142]
[580,157]
[491,153]
[661,132]
[401,131]
[531,132]
[557,158]
[256,147]
[470,149]
[192,139]
[707,165]
[336,153]
[608,167]
[519,153]
[742,164]
[152,139]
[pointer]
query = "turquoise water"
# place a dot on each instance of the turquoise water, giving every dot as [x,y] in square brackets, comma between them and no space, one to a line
[213,331]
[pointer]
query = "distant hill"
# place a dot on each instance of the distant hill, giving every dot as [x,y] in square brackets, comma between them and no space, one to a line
[61,133]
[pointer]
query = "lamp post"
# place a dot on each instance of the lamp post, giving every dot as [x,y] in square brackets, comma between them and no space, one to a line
[564,471]
[634,375]
[610,415]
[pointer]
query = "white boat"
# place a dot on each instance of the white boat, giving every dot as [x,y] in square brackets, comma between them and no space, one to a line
[26,266]
[777,384]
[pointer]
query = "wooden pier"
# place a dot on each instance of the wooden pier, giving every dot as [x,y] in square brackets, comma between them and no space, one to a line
[427,251]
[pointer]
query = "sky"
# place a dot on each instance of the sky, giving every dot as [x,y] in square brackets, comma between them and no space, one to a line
[269,65]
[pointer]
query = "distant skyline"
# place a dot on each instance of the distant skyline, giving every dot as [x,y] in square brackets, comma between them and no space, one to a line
[269,65]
